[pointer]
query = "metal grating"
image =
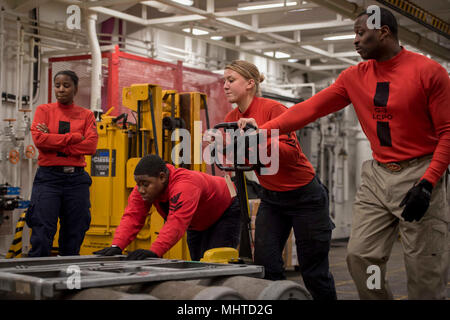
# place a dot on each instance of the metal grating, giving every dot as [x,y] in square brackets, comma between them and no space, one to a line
[46,278]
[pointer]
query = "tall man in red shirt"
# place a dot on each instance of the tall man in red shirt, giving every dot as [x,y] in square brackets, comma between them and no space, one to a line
[402,102]
[190,201]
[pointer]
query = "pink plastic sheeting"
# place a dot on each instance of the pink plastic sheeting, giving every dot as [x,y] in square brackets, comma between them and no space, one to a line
[121,70]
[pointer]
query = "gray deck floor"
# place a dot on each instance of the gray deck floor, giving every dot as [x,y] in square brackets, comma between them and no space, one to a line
[345,287]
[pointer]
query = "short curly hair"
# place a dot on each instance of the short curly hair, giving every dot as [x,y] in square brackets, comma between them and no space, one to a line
[151,165]
[69,73]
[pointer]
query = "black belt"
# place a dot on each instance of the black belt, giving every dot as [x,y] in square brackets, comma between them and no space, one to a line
[292,193]
[64,169]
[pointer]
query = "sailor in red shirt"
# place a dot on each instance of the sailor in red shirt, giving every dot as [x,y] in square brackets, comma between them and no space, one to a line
[402,102]
[63,133]
[190,201]
[291,198]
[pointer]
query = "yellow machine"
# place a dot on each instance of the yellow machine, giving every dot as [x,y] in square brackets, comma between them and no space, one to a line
[159,113]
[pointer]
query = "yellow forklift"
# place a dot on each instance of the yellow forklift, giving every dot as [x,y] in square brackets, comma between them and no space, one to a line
[159,115]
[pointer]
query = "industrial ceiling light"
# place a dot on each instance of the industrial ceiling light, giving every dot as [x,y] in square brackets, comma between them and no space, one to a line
[185,2]
[313,49]
[266,5]
[216,38]
[281,55]
[341,37]
[195,31]
[300,10]
[277,54]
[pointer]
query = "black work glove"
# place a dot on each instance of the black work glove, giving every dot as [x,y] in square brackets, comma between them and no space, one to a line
[109,251]
[141,254]
[417,201]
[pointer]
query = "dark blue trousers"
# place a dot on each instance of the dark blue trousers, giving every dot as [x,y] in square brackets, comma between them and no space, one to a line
[306,211]
[58,195]
[224,233]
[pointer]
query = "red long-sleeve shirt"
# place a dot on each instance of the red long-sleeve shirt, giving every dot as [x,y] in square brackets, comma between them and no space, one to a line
[294,168]
[63,145]
[192,199]
[402,105]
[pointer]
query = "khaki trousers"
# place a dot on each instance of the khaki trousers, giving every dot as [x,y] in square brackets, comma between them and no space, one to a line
[377,222]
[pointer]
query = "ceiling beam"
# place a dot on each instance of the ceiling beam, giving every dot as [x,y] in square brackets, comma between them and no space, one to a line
[330,67]
[234,13]
[307,26]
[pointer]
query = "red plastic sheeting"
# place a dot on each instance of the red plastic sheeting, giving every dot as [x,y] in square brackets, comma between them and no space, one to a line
[121,70]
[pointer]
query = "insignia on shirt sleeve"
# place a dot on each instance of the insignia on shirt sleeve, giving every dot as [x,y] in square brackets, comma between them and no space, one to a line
[174,204]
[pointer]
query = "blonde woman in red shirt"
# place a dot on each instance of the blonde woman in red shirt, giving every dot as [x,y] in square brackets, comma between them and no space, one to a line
[292,197]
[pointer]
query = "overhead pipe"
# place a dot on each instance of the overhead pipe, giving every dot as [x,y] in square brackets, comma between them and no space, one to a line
[69,43]
[32,24]
[96,72]
[39,36]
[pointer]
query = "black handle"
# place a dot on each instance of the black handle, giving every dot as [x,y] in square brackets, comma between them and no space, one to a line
[233,125]
[236,167]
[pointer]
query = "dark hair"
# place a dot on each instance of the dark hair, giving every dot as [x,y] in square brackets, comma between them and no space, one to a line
[386,19]
[69,73]
[151,165]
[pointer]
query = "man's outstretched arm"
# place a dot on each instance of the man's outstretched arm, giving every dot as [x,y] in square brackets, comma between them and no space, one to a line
[296,117]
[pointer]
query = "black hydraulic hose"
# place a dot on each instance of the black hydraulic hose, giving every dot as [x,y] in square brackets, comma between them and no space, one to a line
[152,110]
[138,129]
[213,168]
[173,106]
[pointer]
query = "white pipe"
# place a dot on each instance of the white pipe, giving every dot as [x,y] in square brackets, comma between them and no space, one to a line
[96,73]
[18,26]
[27,132]
[20,55]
